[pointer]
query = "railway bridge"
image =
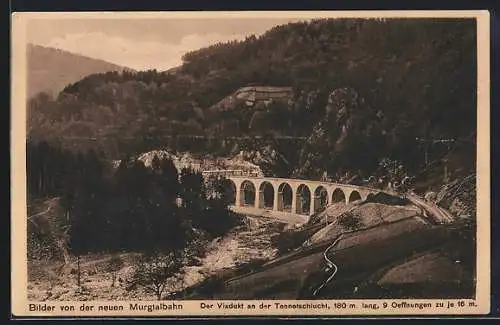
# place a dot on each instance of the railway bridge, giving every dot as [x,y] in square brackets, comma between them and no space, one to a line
[296,196]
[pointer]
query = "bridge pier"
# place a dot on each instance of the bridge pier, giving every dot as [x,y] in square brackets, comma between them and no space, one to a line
[347,196]
[278,200]
[315,203]
[241,201]
[259,199]
[237,200]
[294,201]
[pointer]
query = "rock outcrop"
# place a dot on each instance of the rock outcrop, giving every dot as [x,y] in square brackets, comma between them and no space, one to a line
[459,197]
[254,95]
[339,132]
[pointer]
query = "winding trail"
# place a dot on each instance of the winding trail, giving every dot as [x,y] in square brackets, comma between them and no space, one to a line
[330,264]
[440,215]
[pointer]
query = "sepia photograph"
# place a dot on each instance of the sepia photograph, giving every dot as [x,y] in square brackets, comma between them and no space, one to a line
[223,158]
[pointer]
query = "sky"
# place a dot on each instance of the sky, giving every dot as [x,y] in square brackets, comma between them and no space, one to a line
[141,44]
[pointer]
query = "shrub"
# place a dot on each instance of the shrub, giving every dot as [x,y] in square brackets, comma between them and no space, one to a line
[155,272]
[114,265]
[289,240]
[350,221]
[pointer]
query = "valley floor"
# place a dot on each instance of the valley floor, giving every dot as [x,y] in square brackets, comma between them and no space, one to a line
[386,234]
[51,280]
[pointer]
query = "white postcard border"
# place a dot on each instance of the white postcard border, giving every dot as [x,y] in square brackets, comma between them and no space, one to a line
[20,303]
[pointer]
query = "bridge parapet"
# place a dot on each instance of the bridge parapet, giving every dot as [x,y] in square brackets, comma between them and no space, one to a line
[233,173]
[302,181]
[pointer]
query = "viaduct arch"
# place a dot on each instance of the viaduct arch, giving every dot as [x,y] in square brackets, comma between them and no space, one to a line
[296,196]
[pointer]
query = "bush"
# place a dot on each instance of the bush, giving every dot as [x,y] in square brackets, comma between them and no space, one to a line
[155,273]
[114,265]
[350,221]
[387,199]
[289,240]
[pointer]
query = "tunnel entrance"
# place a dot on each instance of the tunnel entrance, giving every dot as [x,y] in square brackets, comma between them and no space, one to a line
[320,199]
[285,196]
[303,199]
[247,194]
[338,196]
[266,199]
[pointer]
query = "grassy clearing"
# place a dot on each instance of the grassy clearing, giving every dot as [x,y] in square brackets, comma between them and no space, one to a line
[379,233]
[369,215]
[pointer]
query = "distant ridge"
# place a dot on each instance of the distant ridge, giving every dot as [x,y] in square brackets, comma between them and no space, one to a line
[50,69]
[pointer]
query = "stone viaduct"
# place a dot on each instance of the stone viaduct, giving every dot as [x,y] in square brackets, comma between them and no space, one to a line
[295,196]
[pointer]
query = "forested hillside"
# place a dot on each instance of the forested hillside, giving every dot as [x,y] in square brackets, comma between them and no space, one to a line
[363,89]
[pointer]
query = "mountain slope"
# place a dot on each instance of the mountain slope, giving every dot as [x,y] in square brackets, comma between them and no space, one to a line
[50,70]
[359,88]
